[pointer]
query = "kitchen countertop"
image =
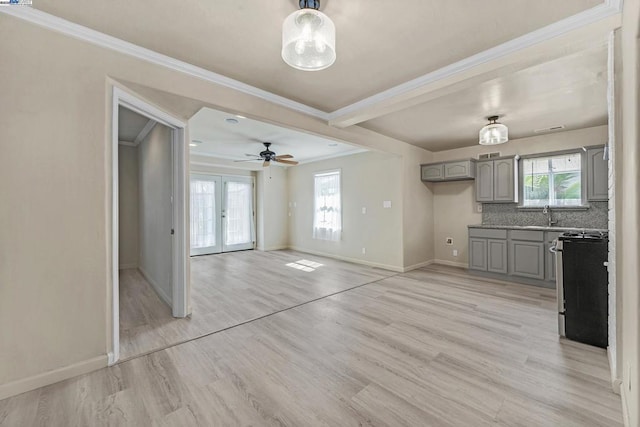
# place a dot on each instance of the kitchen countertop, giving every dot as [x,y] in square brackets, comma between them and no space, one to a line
[534,227]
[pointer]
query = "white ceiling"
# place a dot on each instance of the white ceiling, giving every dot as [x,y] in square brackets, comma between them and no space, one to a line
[571,91]
[233,141]
[130,124]
[381,45]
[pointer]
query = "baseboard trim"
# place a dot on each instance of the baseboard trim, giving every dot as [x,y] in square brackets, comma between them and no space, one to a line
[47,378]
[625,408]
[347,259]
[273,248]
[164,297]
[127,266]
[616,383]
[450,263]
[417,266]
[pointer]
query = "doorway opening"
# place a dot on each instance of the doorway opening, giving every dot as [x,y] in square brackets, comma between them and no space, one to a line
[222,214]
[149,216]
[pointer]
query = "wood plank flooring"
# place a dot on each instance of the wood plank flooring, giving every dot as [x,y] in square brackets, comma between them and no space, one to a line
[229,289]
[434,347]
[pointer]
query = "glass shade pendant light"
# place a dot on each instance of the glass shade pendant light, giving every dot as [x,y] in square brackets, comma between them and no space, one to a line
[309,38]
[494,133]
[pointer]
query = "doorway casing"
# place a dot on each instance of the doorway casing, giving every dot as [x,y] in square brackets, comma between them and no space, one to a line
[180,244]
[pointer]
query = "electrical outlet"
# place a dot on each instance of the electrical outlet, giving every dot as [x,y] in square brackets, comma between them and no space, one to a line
[364,211]
[479,208]
[364,251]
[449,241]
[455,252]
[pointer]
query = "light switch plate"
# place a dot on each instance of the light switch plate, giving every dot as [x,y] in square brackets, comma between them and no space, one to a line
[386,204]
[479,208]
[364,211]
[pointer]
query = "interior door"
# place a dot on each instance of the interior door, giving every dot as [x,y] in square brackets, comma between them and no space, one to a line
[238,229]
[206,212]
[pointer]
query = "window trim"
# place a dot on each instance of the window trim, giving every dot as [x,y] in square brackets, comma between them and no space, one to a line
[321,173]
[583,179]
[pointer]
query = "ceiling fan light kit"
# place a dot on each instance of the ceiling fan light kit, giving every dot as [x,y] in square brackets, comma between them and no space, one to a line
[267,156]
[494,133]
[309,38]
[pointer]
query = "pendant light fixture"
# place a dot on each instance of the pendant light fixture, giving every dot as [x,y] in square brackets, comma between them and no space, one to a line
[309,38]
[494,133]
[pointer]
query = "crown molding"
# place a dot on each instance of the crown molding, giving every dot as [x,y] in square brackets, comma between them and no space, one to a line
[83,33]
[342,117]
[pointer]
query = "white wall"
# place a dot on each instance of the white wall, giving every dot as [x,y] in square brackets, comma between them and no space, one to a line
[128,206]
[272,212]
[367,180]
[630,220]
[155,213]
[454,203]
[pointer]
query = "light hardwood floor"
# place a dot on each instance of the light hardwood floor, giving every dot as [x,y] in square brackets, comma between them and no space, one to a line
[434,347]
[229,289]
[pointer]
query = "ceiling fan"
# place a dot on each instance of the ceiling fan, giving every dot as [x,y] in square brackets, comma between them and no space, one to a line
[267,156]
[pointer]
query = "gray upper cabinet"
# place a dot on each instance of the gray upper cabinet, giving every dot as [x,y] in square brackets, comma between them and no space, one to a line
[496,180]
[484,181]
[432,172]
[597,175]
[449,171]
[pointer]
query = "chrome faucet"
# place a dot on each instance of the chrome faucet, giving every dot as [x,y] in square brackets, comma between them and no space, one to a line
[547,211]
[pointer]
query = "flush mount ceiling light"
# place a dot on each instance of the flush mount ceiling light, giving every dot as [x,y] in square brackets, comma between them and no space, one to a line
[494,133]
[309,38]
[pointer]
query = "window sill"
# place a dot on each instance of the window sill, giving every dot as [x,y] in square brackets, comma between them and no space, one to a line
[555,208]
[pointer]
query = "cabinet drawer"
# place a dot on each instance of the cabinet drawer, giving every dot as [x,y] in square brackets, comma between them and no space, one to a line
[530,235]
[432,172]
[488,233]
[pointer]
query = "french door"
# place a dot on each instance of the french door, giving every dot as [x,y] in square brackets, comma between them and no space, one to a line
[222,218]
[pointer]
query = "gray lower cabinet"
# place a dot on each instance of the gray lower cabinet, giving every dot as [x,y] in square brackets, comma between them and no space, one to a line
[516,253]
[478,254]
[551,257]
[526,259]
[497,256]
[597,175]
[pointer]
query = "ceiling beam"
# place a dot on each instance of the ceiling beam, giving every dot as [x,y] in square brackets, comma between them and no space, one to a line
[579,32]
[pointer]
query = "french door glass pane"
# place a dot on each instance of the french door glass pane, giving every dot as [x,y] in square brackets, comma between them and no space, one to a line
[238,213]
[203,213]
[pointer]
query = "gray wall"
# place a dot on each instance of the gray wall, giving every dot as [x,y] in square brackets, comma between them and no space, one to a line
[154,159]
[128,206]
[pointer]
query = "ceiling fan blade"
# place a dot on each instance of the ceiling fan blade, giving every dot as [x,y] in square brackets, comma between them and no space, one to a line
[242,161]
[284,156]
[286,162]
[250,155]
[266,163]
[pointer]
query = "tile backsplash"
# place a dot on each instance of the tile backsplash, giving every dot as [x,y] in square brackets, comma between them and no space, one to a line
[596,216]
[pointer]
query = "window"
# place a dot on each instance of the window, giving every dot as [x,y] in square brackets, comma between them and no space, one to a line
[553,181]
[327,213]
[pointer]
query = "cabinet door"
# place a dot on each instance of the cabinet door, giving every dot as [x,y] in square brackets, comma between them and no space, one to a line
[597,175]
[550,264]
[459,170]
[484,181]
[478,254]
[432,172]
[497,256]
[526,259]
[504,180]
